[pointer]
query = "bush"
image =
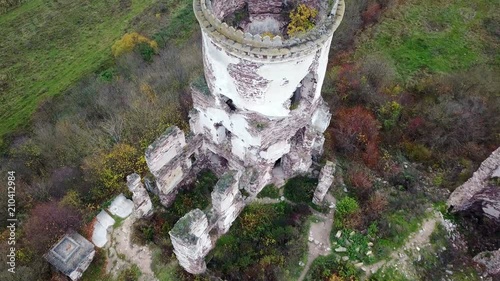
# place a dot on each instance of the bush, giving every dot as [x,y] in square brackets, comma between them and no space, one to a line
[47,223]
[356,132]
[110,169]
[269,191]
[129,41]
[361,183]
[346,206]
[324,267]
[300,189]
[301,20]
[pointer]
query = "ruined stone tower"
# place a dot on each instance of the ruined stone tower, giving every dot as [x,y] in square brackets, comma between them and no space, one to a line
[258,113]
[263,107]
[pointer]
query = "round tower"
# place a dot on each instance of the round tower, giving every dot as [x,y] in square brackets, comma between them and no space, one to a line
[261,105]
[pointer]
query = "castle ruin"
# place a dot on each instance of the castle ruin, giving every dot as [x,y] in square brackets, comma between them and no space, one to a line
[258,115]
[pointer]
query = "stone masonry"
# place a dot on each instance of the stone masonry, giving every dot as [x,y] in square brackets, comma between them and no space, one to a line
[257,113]
[324,182]
[142,203]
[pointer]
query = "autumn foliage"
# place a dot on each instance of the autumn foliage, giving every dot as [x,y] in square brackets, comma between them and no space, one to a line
[356,133]
[301,20]
[129,41]
[47,223]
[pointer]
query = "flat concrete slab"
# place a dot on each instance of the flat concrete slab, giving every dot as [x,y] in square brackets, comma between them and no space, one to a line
[100,234]
[121,206]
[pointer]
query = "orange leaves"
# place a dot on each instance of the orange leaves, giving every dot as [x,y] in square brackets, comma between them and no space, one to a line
[356,132]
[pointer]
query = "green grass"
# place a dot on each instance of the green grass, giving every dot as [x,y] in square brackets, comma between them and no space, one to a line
[432,36]
[48,45]
[269,191]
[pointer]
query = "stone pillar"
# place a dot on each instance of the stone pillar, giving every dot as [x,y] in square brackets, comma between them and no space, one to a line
[227,201]
[142,203]
[324,182]
[191,241]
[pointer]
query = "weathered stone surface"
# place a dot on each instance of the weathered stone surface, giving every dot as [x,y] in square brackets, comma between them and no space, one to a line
[476,194]
[121,206]
[101,225]
[490,260]
[258,112]
[191,241]
[143,206]
[71,255]
[165,149]
[324,182]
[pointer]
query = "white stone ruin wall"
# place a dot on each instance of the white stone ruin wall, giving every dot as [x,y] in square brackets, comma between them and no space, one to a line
[143,207]
[169,160]
[324,182]
[191,241]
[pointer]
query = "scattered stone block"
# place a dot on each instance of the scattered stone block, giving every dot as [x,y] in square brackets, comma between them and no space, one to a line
[121,206]
[71,255]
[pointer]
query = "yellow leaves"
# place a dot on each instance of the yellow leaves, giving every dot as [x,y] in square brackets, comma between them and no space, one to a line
[111,168]
[128,42]
[301,20]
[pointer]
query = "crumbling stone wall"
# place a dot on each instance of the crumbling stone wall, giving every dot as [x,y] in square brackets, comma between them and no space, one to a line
[324,182]
[259,106]
[143,206]
[191,241]
[169,160]
[191,234]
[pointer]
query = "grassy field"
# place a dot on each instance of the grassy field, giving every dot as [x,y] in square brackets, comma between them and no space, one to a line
[48,45]
[435,36]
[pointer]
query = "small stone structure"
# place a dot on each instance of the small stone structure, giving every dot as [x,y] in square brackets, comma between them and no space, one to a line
[324,182]
[143,207]
[102,223]
[71,255]
[477,194]
[191,240]
[258,116]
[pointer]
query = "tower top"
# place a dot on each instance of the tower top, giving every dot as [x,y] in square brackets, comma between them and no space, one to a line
[253,41]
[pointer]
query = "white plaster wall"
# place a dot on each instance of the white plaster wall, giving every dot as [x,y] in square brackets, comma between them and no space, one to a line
[283,77]
[275,151]
[171,179]
[323,62]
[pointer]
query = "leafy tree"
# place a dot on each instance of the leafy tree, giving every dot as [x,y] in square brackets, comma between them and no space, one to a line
[109,169]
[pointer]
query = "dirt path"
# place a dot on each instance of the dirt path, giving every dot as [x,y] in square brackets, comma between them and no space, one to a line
[399,258]
[122,253]
[319,239]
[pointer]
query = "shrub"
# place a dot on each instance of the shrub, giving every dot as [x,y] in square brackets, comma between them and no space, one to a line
[361,183]
[129,41]
[301,20]
[356,132]
[389,114]
[300,189]
[417,152]
[346,206]
[47,223]
[324,266]
[269,191]
[109,169]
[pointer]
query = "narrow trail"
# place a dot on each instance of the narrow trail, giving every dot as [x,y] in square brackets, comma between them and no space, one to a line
[319,238]
[415,242]
[122,253]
